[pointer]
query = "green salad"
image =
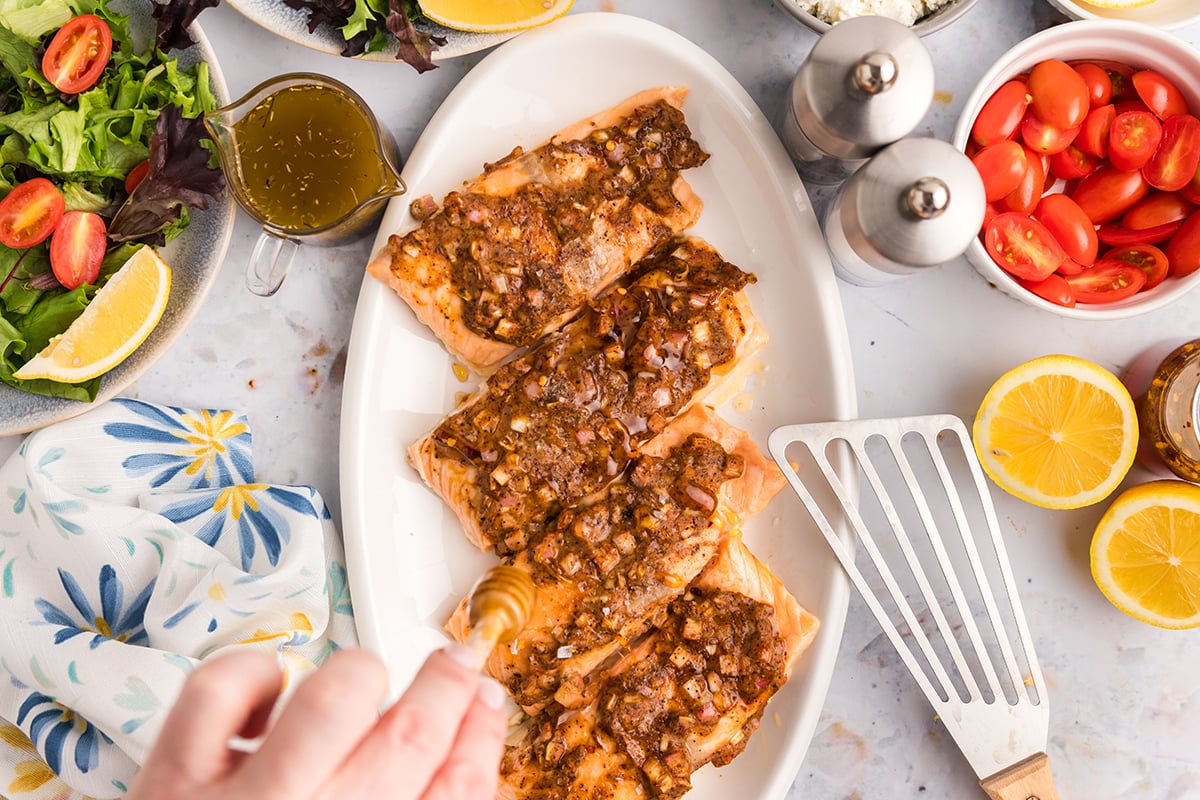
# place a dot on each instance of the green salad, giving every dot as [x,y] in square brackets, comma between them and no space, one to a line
[100,153]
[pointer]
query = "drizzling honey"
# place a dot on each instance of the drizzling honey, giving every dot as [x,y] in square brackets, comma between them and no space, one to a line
[307,156]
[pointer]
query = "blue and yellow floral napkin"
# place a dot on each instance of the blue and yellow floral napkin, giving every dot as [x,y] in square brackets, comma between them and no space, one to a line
[135,542]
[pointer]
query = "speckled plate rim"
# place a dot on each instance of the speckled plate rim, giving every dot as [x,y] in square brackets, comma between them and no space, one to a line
[292,24]
[409,562]
[195,257]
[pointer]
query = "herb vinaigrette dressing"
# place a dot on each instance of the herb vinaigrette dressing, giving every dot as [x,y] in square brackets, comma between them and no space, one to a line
[307,157]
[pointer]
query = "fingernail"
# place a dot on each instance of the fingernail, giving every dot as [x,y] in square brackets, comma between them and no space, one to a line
[492,694]
[461,654]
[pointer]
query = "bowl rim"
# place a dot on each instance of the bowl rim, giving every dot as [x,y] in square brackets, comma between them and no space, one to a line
[931,23]
[1079,12]
[1116,34]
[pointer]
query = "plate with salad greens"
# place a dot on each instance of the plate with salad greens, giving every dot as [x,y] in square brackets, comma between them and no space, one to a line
[375,30]
[102,152]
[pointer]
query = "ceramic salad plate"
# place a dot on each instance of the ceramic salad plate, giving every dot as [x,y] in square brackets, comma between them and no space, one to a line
[409,561]
[292,24]
[195,257]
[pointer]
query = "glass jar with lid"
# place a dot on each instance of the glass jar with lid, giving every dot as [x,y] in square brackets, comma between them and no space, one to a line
[1165,384]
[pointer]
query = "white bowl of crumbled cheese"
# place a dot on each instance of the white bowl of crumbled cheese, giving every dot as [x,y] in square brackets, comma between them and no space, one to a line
[924,16]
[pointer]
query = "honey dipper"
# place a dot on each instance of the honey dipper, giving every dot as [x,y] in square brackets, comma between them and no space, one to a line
[500,604]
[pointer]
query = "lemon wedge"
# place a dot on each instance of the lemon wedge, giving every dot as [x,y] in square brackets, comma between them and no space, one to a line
[118,319]
[494,16]
[1146,553]
[1057,431]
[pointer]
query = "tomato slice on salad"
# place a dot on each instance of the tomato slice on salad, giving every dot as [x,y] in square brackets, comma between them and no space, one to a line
[77,248]
[78,54]
[30,213]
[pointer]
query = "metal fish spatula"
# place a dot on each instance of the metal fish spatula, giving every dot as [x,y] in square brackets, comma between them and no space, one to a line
[935,574]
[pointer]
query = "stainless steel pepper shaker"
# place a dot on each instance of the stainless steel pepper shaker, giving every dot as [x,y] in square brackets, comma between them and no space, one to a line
[866,83]
[916,204]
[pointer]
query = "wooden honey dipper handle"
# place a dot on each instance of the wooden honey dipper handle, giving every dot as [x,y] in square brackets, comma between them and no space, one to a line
[500,604]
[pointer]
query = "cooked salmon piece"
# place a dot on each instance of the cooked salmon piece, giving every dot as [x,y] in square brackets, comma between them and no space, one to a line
[605,571]
[690,693]
[563,421]
[520,250]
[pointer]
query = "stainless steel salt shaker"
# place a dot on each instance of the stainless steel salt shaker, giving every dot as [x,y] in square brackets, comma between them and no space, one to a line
[918,203]
[867,82]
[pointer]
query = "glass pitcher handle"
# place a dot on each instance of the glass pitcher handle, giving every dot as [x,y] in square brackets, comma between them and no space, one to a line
[269,263]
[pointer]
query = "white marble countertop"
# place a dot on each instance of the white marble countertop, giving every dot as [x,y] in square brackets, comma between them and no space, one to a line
[1123,695]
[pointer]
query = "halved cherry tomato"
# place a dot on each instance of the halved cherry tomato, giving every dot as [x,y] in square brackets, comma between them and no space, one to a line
[1098,83]
[1022,246]
[136,176]
[1029,191]
[1001,166]
[1054,288]
[1174,163]
[78,54]
[1072,163]
[1001,115]
[1093,134]
[1120,75]
[1066,221]
[1183,251]
[1126,106]
[1132,140]
[30,213]
[1191,192]
[1107,282]
[1046,139]
[1159,94]
[1117,235]
[1145,257]
[1071,267]
[77,248]
[1159,208]
[1109,192]
[1059,95]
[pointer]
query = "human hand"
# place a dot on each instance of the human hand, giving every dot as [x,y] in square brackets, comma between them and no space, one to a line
[442,740]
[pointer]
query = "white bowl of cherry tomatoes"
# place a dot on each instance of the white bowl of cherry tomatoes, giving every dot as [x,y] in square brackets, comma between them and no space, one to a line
[1087,137]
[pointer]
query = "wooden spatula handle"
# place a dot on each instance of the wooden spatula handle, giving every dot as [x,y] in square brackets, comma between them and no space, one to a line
[1028,780]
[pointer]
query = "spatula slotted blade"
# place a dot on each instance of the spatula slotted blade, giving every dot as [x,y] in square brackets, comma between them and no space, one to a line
[931,565]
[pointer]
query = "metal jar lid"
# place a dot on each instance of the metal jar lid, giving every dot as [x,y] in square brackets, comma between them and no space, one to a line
[918,203]
[866,83]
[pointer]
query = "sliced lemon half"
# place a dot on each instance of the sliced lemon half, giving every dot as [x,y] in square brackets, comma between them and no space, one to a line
[118,319]
[1057,431]
[494,16]
[1117,3]
[1146,553]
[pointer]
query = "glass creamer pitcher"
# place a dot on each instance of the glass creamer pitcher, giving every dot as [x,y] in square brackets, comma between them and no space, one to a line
[306,158]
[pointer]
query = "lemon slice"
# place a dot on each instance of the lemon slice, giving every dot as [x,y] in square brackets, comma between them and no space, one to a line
[1057,431]
[1117,3]
[1146,553]
[494,16]
[118,319]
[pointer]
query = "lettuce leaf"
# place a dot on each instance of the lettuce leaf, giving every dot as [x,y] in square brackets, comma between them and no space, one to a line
[180,177]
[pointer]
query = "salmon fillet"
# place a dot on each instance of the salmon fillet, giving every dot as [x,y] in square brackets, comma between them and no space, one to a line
[606,570]
[564,420]
[521,249]
[689,694]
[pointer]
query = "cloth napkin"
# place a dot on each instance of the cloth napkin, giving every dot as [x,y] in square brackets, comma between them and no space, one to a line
[135,543]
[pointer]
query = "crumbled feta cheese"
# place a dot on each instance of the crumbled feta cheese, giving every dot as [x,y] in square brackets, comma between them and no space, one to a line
[905,11]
